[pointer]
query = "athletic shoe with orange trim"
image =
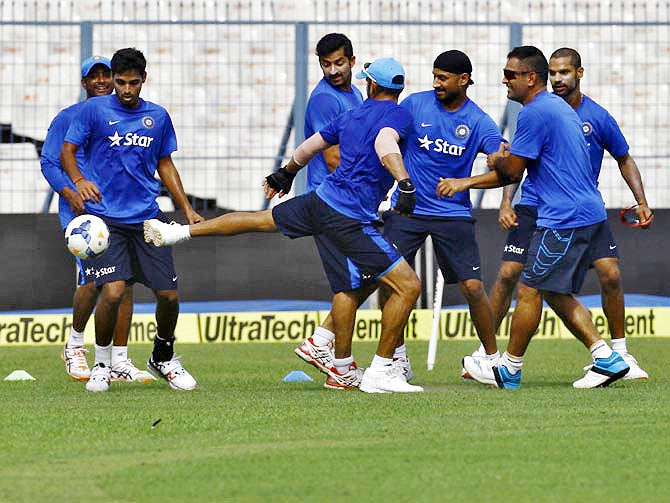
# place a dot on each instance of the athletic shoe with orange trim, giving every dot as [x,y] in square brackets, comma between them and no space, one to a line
[75,363]
[321,357]
[125,371]
[351,379]
[173,372]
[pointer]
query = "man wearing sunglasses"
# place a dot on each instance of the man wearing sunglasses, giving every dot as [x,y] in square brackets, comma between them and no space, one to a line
[602,133]
[571,219]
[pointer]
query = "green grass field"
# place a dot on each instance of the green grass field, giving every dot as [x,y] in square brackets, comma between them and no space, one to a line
[246,436]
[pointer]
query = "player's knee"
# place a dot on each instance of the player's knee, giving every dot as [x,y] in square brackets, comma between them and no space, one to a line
[412,288]
[168,299]
[509,273]
[610,280]
[112,292]
[473,289]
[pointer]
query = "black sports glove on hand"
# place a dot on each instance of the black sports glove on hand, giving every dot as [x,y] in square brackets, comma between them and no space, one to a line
[406,197]
[281,180]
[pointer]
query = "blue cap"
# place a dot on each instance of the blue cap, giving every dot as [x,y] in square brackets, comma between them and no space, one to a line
[386,72]
[89,63]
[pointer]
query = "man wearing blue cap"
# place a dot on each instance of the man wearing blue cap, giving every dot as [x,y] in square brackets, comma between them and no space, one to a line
[96,79]
[343,208]
[127,140]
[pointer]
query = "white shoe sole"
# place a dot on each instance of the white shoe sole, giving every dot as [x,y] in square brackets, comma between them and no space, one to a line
[312,361]
[152,234]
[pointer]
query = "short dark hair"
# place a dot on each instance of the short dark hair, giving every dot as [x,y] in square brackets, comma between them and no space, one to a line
[390,92]
[533,58]
[128,59]
[567,52]
[332,42]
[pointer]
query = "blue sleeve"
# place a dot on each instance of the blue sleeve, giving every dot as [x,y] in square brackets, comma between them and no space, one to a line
[321,110]
[169,138]
[49,160]
[489,136]
[331,132]
[402,121]
[80,127]
[613,139]
[530,135]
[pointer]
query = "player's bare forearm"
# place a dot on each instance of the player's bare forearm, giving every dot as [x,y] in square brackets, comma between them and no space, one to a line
[508,195]
[490,180]
[172,181]
[69,161]
[631,174]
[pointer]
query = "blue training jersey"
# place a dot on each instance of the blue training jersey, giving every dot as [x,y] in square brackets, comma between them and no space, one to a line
[601,132]
[361,182]
[549,134]
[50,162]
[444,144]
[325,103]
[123,147]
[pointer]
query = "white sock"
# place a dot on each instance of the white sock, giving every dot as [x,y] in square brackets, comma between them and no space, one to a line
[119,354]
[400,352]
[493,357]
[380,363]
[103,354]
[600,349]
[322,336]
[481,349]
[619,345]
[513,363]
[342,364]
[76,339]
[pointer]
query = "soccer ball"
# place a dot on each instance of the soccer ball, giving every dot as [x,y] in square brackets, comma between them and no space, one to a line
[87,236]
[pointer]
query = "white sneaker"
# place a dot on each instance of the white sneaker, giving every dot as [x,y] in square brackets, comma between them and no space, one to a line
[386,380]
[603,372]
[173,372]
[319,356]
[351,379]
[405,367]
[479,369]
[75,363]
[100,376]
[162,234]
[475,354]
[635,371]
[125,371]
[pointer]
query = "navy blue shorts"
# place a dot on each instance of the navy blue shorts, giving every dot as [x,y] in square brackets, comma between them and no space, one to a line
[129,258]
[354,253]
[604,245]
[454,242]
[558,259]
[518,238]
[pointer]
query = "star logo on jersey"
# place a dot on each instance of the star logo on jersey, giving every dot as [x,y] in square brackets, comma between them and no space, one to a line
[116,139]
[147,122]
[587,128]
[462,131]
[425,142]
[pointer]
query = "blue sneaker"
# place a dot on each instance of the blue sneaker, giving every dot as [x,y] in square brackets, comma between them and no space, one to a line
[505,379]
[603,372]
[490,372]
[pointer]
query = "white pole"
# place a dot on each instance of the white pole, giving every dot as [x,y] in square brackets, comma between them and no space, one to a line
[435,327]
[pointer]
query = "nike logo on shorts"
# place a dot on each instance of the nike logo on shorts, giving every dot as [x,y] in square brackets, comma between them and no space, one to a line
[612,247]
[423,124]
[475,268]
[175,278]
[111,123]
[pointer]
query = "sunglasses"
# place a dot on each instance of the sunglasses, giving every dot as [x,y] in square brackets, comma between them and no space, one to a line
[511,74]
[629,217]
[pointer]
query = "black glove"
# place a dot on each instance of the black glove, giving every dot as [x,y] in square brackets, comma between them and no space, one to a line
[406,197]
[281,180]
